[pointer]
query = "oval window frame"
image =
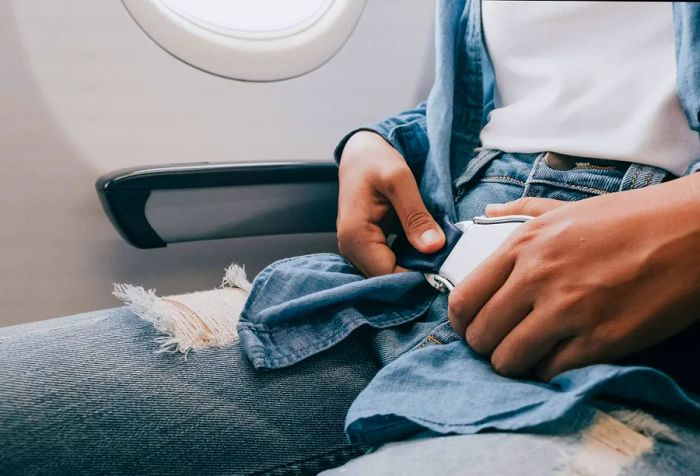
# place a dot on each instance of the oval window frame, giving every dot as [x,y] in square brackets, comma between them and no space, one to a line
[248,58]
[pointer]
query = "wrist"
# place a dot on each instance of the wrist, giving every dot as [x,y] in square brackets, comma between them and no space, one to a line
[339,150]
[371,148]
[363,141]
[693,185]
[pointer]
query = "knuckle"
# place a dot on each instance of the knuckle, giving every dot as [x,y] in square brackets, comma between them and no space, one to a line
[347,235]
[525,234]
[522,206]
[502,364]
[478,338]
[516,242]
[603,336]
[417,220]
[572,300]
[524,202]
[576,302]
[527,242]
[339,226]
[561,231]
[454,313]
[454,304]
[533,273]
[474,339]
[342,234]
[342,249]
[506,357]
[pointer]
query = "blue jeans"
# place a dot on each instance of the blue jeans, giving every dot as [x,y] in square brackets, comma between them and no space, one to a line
[88,393]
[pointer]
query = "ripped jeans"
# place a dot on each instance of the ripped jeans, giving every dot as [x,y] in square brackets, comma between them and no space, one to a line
[89,394]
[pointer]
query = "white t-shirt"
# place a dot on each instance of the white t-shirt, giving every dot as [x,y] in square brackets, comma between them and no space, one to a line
[589,79]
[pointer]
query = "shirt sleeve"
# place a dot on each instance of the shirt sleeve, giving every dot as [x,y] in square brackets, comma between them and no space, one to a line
[406,132]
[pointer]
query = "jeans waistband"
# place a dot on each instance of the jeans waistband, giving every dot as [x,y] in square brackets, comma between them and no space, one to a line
[587,175]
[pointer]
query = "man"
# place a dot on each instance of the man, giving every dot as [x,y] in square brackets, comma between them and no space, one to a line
[592,115]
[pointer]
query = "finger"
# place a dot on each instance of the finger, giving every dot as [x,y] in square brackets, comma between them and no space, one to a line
[532,206]
[469,296]
[360,238]
[366,248]
[422,231]
[529,343]
[504,311]
[570,354]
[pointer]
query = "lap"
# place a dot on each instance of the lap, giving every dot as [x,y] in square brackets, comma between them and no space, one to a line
[89,393]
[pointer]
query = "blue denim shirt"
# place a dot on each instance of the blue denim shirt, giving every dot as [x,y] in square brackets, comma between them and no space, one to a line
[304,305]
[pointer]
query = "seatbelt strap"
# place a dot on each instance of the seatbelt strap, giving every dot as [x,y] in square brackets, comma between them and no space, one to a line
[468,244]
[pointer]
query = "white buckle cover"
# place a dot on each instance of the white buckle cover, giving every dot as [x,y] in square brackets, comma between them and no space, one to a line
[479,239]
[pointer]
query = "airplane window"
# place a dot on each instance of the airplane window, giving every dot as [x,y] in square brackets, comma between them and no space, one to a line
[251,18]
[252,40]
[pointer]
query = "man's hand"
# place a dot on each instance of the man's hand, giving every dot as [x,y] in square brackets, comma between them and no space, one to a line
[585,282]
[374,180]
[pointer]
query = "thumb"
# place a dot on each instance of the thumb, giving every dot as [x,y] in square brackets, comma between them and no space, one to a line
[421,229]
[531,206]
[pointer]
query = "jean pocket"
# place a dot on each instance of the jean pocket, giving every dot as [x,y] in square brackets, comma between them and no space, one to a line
[563,177]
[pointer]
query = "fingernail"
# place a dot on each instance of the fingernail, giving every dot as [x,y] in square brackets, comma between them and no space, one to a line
[493,207]
[429,237]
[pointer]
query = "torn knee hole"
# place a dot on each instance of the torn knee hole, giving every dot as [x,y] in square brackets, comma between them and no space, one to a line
[191,321]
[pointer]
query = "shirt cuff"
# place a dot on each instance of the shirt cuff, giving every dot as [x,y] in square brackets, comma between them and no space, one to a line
[408,139]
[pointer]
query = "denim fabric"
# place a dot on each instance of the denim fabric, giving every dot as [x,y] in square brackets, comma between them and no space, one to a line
[299,307]
[431,379]
[536,453]
[445,387]
[89,394]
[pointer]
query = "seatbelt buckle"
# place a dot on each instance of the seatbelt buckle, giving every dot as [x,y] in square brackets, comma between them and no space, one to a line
[480,238]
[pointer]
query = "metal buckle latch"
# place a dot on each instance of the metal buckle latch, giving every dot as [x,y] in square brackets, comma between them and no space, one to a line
[440,283]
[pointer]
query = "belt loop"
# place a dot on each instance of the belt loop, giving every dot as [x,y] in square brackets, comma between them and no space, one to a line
[639,176]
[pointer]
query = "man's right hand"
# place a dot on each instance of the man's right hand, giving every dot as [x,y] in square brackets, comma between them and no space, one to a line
[374,181]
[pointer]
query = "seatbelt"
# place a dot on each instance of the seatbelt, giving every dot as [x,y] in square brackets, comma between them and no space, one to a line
[468,244]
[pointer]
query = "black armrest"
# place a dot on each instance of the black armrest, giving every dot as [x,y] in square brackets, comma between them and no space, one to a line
[153,206]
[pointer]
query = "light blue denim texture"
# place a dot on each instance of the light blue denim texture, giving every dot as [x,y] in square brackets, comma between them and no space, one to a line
[302,306]
[431,379]
[530,453]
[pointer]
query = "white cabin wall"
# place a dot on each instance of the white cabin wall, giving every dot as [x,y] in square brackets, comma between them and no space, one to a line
[84,91]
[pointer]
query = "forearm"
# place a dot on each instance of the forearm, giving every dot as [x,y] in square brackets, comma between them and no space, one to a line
[671,209]
[688,188]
